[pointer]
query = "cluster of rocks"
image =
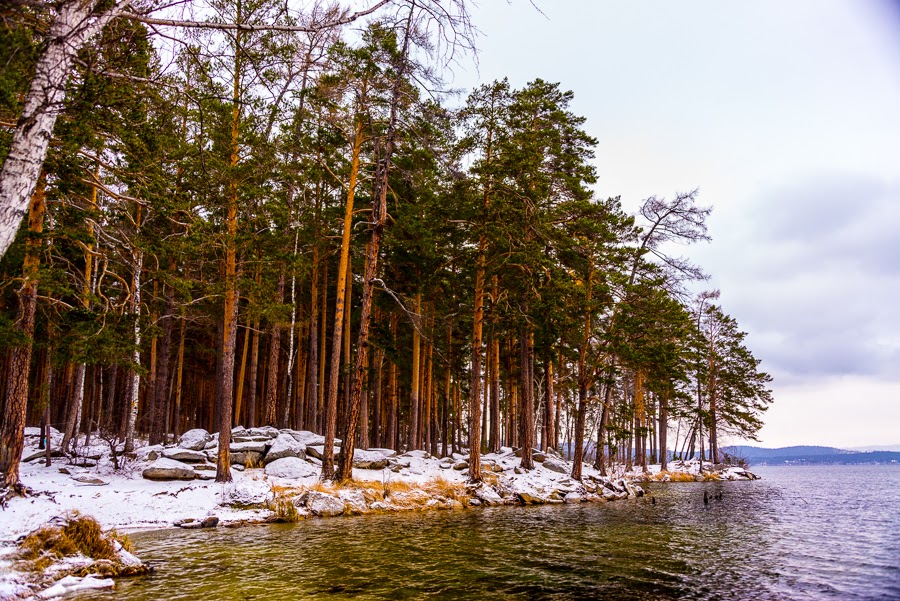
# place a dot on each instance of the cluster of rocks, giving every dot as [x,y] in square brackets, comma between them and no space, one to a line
[282,453]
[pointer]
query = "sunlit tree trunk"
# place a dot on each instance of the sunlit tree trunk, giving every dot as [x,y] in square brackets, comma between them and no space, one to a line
[339,308]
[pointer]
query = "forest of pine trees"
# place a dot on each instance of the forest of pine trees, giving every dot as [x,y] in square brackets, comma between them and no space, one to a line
[289,226]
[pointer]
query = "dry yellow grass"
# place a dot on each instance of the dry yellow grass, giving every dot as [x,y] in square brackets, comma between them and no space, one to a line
[674,476]
[80,534]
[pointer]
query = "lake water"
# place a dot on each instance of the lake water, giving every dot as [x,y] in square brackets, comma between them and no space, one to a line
[817,532]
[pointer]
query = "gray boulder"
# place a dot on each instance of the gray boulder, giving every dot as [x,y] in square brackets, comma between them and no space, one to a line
[292,468]
[385,452]
[267,431]
[186,455]
[488,495]
[284,446]
[246,492]
[195,439]
[317,450]
[307,438]
[460,466]
[354,499]
[322,504]
[556,465]
[528,498]
[572,497]
[247,458]
[248,447]
[168,469]
[369,460]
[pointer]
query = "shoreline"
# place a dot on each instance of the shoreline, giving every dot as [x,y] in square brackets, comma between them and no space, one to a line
[285,489]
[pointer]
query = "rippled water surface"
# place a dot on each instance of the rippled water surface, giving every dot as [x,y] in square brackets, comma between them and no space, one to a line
[830,532]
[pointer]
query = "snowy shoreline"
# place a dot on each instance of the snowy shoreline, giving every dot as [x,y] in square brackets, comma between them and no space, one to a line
[154,489]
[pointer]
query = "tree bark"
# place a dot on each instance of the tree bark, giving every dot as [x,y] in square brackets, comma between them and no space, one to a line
[413,440]
[12,422]
[527,411]
[161,404]
[176,425]
[274,362]
[549,409]
[392,433]
[229,329]
[475,385]
[312,377]
[339,308]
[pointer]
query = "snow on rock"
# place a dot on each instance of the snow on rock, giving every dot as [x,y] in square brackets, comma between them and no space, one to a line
[126,558]
[247,491]
[307,438]
[417,454]
[323,504]
[369,460]
[195,439]
[292,468]
[284,446]
[354,499]
[248,447]
[572,497]
[556,465]
[186,455]
[246,458]
[487,495]
[148,453]
[168,469]
[71,584]
[385,452]
[267,431]
[317,450]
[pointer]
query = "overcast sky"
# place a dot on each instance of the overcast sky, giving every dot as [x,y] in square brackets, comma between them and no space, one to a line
[786,115]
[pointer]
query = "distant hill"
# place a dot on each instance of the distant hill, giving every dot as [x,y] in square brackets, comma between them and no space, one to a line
[808,455]
[877,447]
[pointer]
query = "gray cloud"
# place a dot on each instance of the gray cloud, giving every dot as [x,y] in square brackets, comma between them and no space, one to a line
[812,271]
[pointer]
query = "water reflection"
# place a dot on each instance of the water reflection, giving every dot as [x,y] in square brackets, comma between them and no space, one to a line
[793,535]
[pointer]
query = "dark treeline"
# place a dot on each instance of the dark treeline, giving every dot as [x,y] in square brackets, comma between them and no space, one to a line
[288,228]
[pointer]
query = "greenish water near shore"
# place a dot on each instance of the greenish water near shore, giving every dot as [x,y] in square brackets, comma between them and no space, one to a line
[824,532]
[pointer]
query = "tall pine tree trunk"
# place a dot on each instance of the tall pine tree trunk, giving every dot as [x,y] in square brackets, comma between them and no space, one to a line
[312,376]
[229,323]
[549,408]
[274,362]
[373,249]
[331,407]
[527,411]
[413,440]
[12,422]
[663,428]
